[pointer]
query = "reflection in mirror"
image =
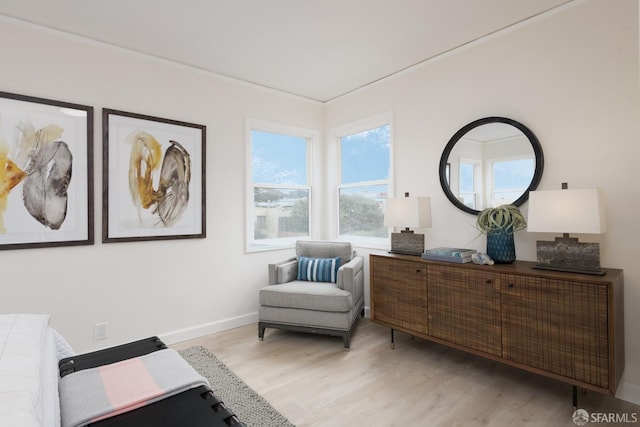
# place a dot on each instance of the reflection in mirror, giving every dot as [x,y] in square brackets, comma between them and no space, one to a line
[490,162]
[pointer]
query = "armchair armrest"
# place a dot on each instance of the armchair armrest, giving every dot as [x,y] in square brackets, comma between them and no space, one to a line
[283,271]
[351,277]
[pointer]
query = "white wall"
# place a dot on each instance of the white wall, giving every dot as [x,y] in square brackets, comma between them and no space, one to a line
[572,78]
[133,286]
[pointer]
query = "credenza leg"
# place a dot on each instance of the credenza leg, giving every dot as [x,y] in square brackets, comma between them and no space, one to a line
[392,343]
[575,398]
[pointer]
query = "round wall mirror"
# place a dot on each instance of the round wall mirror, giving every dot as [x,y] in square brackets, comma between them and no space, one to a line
[490,162]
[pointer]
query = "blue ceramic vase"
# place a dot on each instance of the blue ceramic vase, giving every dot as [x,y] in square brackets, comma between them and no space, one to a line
[501,246]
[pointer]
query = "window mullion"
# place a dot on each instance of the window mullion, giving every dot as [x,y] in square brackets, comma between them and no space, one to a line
[364,184]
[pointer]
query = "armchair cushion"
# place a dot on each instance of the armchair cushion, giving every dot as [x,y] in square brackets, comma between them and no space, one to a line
[302,296]
[318,269]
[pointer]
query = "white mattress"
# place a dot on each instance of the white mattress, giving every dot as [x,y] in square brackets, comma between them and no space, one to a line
[29,354]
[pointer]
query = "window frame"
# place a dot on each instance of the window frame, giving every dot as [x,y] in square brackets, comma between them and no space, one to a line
[477,166]
[335,136]
[311,136]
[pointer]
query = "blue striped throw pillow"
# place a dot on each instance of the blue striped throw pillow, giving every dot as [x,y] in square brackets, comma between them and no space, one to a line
[318,269]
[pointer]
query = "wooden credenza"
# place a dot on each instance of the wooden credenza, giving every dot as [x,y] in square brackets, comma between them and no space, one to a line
[562,325]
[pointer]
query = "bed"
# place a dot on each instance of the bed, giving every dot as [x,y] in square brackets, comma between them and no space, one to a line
[43,383]
[29,354]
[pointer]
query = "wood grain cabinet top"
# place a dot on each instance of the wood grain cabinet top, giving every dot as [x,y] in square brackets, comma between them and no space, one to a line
[562,325]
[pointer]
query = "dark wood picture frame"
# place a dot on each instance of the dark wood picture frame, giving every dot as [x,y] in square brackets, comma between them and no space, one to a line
[46,173]
[153,178]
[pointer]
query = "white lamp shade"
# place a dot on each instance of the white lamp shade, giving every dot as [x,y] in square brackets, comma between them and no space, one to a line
[412,212]
[567,211]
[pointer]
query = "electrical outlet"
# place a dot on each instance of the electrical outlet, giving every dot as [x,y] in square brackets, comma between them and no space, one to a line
[100,331]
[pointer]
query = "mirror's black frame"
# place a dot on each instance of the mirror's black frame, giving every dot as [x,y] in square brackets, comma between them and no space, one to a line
[537,149]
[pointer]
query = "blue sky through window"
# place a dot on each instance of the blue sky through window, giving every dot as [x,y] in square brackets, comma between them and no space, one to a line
[278,158]
[282,159]
[365,155]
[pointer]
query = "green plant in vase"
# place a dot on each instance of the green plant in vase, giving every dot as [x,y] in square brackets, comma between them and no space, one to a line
[499,224]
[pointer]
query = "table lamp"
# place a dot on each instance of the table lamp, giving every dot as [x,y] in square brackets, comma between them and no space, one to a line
[567,211]
[408,212]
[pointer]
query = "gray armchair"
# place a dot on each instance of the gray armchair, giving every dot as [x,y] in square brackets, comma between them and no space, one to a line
[321,307]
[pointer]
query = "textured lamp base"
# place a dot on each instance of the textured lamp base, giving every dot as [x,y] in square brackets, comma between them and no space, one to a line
[407,243]
[567,254]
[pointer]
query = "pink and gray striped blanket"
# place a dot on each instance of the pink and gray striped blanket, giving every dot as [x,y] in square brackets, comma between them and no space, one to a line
[93,394]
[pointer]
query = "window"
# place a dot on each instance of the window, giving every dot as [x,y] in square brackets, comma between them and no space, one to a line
[363,183]
[280,191]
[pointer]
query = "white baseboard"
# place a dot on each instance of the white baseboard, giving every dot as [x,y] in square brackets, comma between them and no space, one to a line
[629,392]
[198,331]
[209,328]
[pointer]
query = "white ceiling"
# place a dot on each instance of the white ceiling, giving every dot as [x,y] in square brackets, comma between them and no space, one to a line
[318,49]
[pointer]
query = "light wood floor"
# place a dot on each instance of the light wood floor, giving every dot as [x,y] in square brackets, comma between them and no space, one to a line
[312,381]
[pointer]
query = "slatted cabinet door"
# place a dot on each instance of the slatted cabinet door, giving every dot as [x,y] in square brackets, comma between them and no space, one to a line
[464,308]
[559,326]
[399,293]
[566,326]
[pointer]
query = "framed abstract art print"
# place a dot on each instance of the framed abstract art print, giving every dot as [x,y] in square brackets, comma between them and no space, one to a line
[46,172]
[153,178]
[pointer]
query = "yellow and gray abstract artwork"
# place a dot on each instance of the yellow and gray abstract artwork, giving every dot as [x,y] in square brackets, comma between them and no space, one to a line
[43,163]
[170,199]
